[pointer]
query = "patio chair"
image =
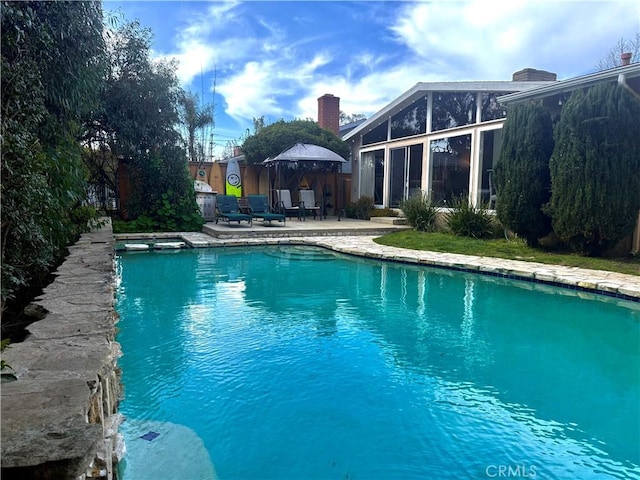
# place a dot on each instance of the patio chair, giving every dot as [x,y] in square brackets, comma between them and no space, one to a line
[308,203]
[227,209]
[259,205]
[285,205]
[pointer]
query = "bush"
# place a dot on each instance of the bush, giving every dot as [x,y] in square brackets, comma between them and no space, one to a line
[521,175]
[420,213]
[360,209]
[383,212]
[595,169]
[467,221]
[172,214]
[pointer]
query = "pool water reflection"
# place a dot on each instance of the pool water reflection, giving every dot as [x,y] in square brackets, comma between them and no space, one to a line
[296,363]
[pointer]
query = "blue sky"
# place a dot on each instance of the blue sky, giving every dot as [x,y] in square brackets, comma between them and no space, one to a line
[274,59]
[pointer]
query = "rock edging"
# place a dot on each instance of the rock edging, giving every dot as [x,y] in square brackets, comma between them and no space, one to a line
[59,418]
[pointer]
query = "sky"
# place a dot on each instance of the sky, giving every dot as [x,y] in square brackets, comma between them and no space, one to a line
[275,58]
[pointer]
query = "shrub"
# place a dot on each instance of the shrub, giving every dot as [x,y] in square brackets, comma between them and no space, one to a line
[522,178]
[361,208]
[595,169]
[383,212]
[421,214]
[468,221]
[172,214]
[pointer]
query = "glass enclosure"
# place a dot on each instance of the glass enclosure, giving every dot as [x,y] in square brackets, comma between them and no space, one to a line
[451,165]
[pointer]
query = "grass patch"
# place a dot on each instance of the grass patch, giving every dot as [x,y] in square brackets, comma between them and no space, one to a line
[502,248]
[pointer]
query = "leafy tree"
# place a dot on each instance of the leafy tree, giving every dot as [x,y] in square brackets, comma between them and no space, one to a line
[349,118]
[613,58]
[53,60]
[595,169]
[137,125]
[271,140]
[522,175]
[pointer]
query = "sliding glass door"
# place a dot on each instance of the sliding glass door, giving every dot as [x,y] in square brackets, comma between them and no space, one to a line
[405,173]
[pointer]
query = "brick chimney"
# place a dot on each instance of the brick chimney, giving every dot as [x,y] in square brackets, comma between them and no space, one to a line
[626,58]
[329,112]
[533,75]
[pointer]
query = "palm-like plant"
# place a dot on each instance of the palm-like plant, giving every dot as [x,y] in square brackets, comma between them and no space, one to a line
[193,118]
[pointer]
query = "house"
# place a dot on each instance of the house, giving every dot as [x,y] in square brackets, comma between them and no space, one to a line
[440,138]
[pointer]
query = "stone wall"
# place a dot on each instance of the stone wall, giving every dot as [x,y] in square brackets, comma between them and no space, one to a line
[59,417]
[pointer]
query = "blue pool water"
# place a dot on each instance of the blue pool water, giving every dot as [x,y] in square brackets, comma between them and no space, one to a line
[294,363]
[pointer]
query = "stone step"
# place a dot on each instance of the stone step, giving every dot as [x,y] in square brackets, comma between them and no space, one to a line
[389,220]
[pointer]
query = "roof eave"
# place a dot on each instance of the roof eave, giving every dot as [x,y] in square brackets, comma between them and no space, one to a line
[570,84]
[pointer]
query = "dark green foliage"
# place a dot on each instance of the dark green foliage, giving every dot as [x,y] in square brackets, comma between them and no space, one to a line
[360,209]
[271,140]
[595,169]
[383,212]
[468,221]
[421,214]
[522,179]
[171,214]
[52,65]
[139,115]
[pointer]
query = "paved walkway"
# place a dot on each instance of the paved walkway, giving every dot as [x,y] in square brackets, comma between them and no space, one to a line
[357,240]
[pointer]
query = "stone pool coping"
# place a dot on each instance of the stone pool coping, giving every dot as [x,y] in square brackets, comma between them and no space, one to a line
[612,284]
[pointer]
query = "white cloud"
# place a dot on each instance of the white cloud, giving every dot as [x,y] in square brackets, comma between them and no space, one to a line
[474,40]
[264,68]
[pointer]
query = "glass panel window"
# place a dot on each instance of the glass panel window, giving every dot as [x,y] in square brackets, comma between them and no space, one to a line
[491,109]
[451,158]
[397,176]
[378,134]
[453,109]
[378,189]
[412,120]
[415,170]
[490,145]
[367,164]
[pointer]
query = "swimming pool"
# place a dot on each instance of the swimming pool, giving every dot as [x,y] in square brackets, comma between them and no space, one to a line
[297,363]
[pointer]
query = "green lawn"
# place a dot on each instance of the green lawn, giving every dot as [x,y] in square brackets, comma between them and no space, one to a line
[502,248]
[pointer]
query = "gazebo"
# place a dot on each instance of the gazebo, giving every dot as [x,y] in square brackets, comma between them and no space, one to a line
[310,156]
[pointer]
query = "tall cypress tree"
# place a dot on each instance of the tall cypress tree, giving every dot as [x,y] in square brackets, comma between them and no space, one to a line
[522,172]
[595,169]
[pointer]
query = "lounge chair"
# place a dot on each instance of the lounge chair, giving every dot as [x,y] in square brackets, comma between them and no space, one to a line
[227,209]
[308,203]
[285,206]
[259,205]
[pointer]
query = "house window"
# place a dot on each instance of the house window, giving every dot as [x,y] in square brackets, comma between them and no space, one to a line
[411,120]
[378,134]
[490,145]
[451,160]
[491,109]
[372,175]
[453,109]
